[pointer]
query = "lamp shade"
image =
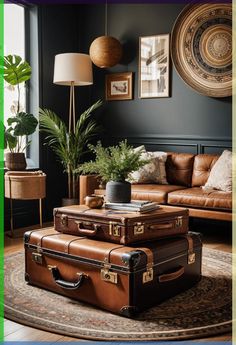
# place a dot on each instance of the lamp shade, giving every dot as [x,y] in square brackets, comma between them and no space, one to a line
[105,51]
[73,67]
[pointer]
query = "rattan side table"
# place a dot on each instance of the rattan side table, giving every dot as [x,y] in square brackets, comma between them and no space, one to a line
[25,185]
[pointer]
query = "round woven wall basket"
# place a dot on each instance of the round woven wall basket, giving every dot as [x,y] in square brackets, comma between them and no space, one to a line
[202,48]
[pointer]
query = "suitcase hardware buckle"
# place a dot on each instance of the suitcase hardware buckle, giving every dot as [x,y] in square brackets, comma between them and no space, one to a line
[50,267]
[138,228]
[148,275]
[179,222]
[114,229]
[108,276]
[64,220]
[37,257]
[191,258]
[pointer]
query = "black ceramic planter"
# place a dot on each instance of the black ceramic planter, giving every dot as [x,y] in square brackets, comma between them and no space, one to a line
[118,191]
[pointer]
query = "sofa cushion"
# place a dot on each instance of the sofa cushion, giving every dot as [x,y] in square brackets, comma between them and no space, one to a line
[179,168]
[152,172]
[152,192]
[202,166]
[197,197]
[221,174]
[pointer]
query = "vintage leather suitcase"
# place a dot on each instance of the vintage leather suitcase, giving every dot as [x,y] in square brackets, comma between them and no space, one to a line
[124,280]
[121,227]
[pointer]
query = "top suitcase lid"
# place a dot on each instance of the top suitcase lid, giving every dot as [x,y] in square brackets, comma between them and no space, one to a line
[122,217]
[119,257]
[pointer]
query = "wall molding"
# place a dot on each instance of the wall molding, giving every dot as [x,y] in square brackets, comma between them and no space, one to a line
[175,137]
[179,143]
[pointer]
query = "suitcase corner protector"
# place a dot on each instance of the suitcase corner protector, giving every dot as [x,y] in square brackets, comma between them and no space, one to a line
[132,258]
[27,277]
[27,236]
[128,311]
[55,211]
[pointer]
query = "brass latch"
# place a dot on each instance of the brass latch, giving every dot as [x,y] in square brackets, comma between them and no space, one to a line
[148,275]
[37,257]
[191,258]
[50,267]
[138,228]
[114,229]
[179,222]
[64,220]
[107,275]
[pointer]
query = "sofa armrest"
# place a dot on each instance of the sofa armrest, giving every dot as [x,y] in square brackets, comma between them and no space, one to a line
[87,184]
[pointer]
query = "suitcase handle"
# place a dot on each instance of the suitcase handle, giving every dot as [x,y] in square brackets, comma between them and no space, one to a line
[91,232]
[171,276]
[161,226]
[65,284]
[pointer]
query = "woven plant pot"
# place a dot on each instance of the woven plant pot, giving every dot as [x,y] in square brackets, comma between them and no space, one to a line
[25,185]
[15,161]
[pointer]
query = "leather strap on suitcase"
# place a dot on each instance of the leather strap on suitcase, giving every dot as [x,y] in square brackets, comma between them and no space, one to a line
[191,254]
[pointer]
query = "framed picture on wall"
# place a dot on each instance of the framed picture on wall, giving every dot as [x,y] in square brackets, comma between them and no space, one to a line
[119,86]
[154,66]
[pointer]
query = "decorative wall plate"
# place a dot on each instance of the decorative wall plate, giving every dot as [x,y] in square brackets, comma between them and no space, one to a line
[202,48]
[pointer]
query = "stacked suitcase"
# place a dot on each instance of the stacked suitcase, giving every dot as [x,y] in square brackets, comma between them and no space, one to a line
[118,261]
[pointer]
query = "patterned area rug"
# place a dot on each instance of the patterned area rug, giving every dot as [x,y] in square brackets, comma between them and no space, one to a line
[199,312]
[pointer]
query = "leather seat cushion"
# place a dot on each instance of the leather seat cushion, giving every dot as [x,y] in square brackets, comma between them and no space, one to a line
[153,192]
[197,197]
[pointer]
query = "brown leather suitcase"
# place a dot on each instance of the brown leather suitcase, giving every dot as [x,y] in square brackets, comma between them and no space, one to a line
[124,280]
[121,227]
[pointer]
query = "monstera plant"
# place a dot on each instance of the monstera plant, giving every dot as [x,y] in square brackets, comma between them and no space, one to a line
[21,124]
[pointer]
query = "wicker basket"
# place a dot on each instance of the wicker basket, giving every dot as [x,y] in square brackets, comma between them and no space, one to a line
[25,185]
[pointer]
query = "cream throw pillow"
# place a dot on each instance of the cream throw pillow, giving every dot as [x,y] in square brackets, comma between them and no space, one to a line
[221,174]
[153,172]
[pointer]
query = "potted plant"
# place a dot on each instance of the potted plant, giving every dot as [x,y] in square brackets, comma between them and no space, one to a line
[69,147]
[22,124]
[114,165]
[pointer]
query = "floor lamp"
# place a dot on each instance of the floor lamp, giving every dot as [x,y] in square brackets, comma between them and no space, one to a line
[72,69]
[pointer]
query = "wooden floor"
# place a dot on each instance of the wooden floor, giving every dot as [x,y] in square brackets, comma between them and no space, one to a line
[216,237]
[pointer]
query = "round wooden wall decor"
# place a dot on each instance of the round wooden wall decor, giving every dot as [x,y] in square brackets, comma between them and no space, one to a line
[202,48]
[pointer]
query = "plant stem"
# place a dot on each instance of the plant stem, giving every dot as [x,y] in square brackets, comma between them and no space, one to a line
[18,103]
[69,181]
[74,185]
[20,143]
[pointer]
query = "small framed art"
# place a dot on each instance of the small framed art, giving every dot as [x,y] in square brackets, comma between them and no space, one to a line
[119,86]
[154,66]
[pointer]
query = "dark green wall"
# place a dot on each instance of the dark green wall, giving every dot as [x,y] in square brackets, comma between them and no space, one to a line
[185,115]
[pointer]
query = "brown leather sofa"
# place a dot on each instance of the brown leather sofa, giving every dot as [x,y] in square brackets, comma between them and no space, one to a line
[186,173]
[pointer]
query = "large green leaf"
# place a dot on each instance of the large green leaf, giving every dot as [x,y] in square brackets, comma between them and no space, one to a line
[9,140]
[25,124]
[15,71]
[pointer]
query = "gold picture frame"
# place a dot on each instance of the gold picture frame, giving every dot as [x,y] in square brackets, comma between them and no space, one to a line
[154,66]
[119,86]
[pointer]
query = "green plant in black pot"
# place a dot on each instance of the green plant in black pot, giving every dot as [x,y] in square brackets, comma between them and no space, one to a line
[22,124]
[114,164]
[69,147]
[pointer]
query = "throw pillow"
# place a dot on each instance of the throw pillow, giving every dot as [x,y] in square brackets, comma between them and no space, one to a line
[221,174]
[153,172]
